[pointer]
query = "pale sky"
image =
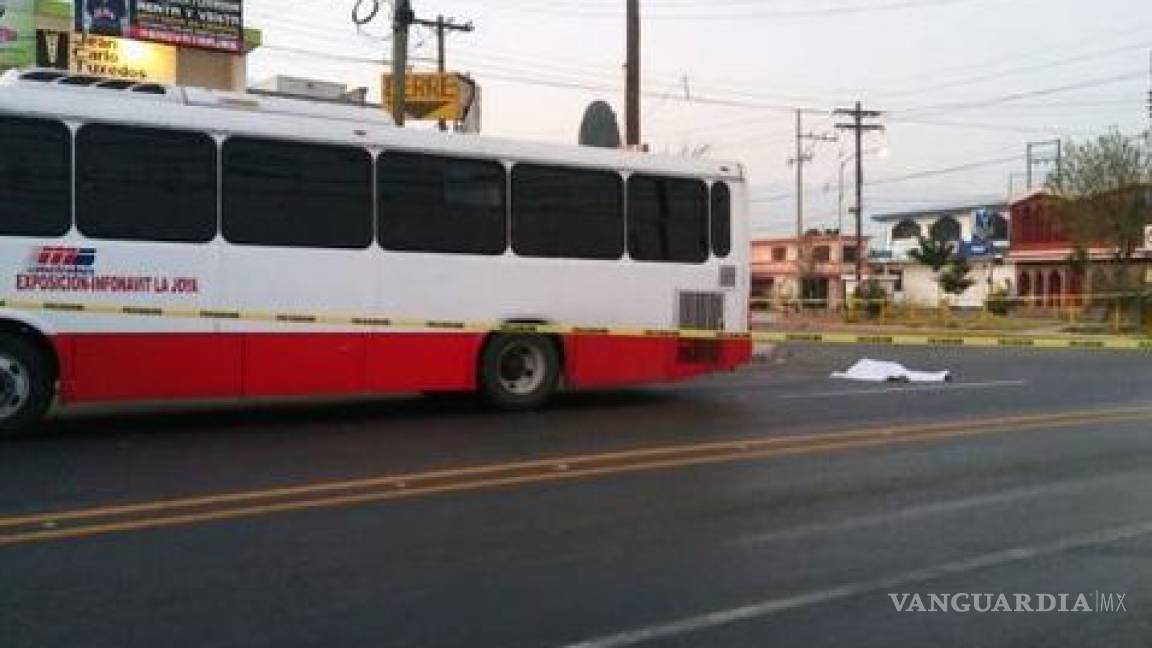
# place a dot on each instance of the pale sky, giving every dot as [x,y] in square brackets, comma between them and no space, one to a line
[968,83]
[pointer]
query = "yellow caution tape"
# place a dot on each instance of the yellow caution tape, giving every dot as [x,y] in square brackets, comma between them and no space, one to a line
[967,339]
[1035,300]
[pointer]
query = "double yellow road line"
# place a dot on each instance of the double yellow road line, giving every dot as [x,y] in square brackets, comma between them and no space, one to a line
[83,523]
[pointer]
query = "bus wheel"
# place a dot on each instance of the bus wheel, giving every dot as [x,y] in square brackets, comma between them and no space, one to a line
[519,372]
[26,382]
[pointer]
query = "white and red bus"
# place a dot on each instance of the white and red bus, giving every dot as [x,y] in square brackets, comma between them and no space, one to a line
[143,199]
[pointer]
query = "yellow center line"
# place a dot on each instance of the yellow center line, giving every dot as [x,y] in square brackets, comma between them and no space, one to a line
[742,445]
[561,469]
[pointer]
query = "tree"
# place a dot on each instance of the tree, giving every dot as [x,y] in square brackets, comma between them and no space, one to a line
[955,280]
[1079,259]
[1104,188]
[939,255]
[932,253]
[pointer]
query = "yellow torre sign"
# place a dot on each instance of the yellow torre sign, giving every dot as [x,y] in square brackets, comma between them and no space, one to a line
[123,58]
[430,96]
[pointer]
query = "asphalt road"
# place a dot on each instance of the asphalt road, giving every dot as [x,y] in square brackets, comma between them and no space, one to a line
[773,507]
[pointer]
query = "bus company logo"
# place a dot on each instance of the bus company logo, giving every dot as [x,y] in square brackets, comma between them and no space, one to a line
[73,269]
[62,260]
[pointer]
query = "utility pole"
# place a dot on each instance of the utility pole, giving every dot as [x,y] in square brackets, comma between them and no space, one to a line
[858,115]
[799,161]
[632,108]
[442,27]
[402,19]
[840,197]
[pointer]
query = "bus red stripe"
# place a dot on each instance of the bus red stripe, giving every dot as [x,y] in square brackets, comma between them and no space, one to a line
[161,366]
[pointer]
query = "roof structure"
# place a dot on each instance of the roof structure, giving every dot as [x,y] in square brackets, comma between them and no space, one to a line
[932,212]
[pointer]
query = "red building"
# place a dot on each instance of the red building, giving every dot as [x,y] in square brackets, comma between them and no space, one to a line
[1042,251]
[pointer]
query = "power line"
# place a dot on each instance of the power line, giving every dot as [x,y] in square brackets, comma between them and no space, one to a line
[969,166]
[1015,96]
[985,77]
[523,78]
[799,161]
[990,127]
[695,13]
[920,175]
[534,63]
[403,18]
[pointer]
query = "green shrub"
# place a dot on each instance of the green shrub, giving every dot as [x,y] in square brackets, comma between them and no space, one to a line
[872,297]
[999,302]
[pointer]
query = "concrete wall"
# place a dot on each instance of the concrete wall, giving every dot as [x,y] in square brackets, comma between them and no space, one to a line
[205,69]
[922,289]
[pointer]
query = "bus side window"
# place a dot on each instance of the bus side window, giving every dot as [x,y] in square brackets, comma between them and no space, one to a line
[295,194]
[35,177]
[441,205]
[667,219]
[145,184]
[562,213]
[721,220]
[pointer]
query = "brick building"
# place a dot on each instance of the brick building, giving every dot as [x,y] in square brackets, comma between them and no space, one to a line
[1043,253]
[818,266]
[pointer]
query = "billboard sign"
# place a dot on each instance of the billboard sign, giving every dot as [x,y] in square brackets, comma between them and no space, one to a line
[104,56]
[207,24]
[982,225]
[431,96]
[52,49]
[17,33]
[976,249]
[123,59]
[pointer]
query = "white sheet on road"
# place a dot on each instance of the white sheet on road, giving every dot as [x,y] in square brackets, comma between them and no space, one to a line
[877,371]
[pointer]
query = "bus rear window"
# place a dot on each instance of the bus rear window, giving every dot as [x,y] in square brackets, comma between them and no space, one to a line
[721,220]
[293,194]
[567,213]
[145,184]
[35,178]
[435,204]
[667,219]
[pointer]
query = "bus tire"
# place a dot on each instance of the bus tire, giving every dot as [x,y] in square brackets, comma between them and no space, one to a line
[26,384]
[519,372]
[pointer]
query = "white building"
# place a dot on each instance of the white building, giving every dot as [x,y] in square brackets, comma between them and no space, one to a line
[979,233]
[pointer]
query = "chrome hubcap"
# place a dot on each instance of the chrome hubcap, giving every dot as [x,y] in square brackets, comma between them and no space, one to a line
[14,386]
[522,369]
